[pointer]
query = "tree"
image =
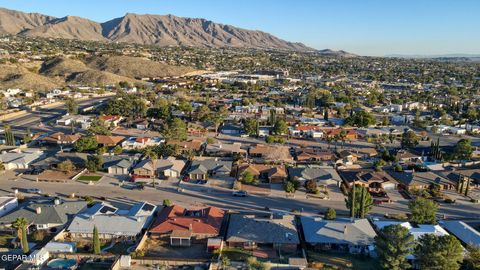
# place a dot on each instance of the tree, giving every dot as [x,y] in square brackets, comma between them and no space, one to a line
[393,244]
[472,260]
[280,127]
[94,163]
[409,139]
[248,177]
[98,127]
[167,203]
[152,155]
[117,150]
[27,138]
[423,211]
[9,137]
[289,187]
[311,185]
[203,113]
[86,143]
[251,126]
[438,252]
[66,166]
[71,105]
[21,225]
[175,129]
[361,119]
[96,241]
[330,214]
[463,149]
[359,201]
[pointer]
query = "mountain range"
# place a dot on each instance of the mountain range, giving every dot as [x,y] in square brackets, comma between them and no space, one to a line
[161,30]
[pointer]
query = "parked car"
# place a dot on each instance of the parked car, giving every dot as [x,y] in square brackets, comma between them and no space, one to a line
[239,193]
[34,190]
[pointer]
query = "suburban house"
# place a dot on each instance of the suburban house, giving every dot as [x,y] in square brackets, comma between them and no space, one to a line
[7,204]
[111,120]
[144,169]
[313,154]
[224,149]
[47,214]
[117,165]
[323,176]
[409,180]
[343,235]
[374,181]
[201,169]
[169,167]
[268,173]
[275,231]
[307,131]
[108,141]
[350,134]
[111,222]
[183,226]
[133,143]
[17,159]
[231,129]
[417,231]
[78,159]
[467,233]
[407,156]
[82,121]
[58,138]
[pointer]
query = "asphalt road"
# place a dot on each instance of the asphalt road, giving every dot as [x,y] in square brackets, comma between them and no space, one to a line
[32,120]
[192,195]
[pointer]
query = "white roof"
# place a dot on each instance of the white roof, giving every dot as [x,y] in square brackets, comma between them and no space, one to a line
[416,231]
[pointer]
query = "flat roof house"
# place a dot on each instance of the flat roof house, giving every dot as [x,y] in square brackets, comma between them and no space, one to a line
[343,235]
[249,231]
[112,222]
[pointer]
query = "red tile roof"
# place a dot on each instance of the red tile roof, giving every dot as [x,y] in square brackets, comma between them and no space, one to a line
[175,218]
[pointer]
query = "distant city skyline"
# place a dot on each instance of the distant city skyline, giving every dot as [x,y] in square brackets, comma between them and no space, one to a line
[367,27]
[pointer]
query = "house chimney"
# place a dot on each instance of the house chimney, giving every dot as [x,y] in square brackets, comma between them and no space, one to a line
[190,227]
[38,210]
[345,229]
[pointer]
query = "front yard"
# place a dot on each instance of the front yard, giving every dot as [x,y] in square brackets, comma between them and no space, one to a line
[323,260]
[88,178]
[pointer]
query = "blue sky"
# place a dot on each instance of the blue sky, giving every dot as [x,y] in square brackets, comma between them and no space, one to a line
[366,27]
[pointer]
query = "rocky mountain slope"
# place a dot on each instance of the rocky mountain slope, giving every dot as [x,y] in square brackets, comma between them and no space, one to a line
[162,30]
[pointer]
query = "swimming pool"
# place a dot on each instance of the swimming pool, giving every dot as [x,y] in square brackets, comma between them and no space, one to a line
[62,264]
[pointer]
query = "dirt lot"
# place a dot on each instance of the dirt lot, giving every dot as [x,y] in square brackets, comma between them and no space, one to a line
[162,248]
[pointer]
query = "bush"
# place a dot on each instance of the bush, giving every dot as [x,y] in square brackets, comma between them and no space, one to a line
[331,214]
[289,187]
[248,177]
[39,235]
[398,168]
[311,186]
[167,203]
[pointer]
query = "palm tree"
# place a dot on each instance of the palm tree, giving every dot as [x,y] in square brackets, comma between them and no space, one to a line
[342,136]
[153,157]
[21,225]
